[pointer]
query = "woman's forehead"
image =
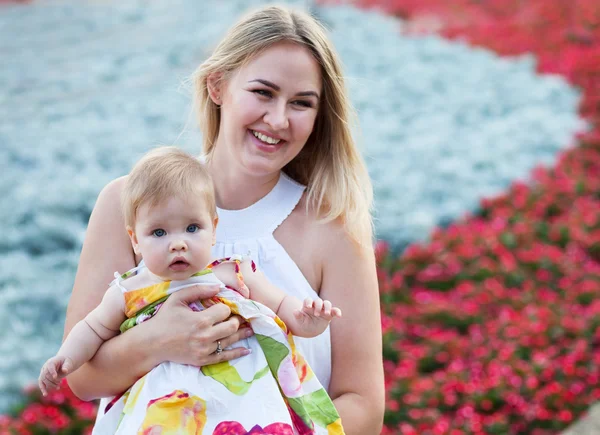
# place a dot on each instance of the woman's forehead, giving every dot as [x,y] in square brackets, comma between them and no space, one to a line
[284,65]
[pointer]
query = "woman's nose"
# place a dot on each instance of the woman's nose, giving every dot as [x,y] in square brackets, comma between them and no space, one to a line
[277,117]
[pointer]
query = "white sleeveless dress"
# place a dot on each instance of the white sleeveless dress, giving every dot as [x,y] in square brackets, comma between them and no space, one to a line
[251,231]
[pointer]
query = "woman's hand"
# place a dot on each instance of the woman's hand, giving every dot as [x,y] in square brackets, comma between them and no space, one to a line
[189,337]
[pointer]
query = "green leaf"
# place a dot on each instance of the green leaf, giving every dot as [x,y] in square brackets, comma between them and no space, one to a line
[317,405]
[508,239]
[225,374]
[274,351]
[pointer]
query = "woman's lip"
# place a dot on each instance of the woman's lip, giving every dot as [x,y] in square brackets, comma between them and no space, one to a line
[266,133]
[263,146]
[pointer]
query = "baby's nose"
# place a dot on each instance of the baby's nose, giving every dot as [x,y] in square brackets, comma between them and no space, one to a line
[179,245]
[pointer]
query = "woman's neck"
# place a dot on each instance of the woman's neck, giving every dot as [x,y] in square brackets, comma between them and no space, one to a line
[236,190]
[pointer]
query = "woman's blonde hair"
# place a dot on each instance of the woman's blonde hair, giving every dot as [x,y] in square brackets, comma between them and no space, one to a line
[338,184]
[163,173]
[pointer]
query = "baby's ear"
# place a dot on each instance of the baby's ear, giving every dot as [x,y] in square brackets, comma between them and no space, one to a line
[214,235]
[134,240]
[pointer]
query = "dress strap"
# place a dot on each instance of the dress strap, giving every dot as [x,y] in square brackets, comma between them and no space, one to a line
[287,197]
[121,277]
[237,260]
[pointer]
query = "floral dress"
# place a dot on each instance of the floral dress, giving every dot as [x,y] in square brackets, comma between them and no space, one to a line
[270,391]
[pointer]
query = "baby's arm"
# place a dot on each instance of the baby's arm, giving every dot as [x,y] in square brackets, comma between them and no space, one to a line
[304,319]
[85,339]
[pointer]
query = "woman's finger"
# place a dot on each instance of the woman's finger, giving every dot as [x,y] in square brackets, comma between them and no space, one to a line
[222,332]
[227,355]
[195,293]
[225,328]
[214,314]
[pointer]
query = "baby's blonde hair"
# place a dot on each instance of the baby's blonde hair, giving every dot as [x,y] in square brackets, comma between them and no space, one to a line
[163,173]
[329,164]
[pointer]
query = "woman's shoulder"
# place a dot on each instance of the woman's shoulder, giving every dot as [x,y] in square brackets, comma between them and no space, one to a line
[109,198]
[106,221]
[114,187]
[311,218]
[321,235]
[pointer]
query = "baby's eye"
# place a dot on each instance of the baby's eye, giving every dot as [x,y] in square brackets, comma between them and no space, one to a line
[159,232]
[192,228]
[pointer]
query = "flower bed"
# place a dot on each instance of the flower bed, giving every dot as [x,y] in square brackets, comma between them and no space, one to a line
[564,36]
[58,413]
[494,326]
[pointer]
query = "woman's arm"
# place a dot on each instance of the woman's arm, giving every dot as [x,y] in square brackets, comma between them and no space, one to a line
[349,281]
[176,333]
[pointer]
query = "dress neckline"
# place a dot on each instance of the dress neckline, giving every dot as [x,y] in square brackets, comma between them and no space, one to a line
[262,217]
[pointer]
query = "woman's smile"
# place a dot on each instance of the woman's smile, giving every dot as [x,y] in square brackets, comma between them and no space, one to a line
[264,142]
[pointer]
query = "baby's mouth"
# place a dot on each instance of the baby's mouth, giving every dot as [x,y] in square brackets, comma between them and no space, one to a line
[179,264]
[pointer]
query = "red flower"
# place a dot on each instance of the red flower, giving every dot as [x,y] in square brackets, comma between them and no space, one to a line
[235,428]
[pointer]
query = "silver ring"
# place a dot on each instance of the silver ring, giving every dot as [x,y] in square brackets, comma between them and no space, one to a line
[219,348]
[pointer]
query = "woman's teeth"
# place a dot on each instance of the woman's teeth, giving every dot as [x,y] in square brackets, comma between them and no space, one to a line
[265,138]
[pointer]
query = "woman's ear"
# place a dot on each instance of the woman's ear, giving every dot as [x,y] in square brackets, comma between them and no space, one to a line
[214,83]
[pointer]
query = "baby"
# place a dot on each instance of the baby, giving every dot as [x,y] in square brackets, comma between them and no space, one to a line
[170,212]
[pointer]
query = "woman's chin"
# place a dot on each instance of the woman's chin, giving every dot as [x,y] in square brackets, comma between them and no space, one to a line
[260,164]
[262,169]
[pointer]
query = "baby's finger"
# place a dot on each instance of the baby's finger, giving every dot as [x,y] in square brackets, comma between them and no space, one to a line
[67,367]
[308,303]
[42,387]
[51,381]
[336,312]
[318,304]
[327,308]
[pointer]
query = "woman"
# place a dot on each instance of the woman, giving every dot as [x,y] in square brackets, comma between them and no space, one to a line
[275,116]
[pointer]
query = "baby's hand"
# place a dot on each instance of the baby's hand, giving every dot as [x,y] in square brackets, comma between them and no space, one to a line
[316,315]
[55,369]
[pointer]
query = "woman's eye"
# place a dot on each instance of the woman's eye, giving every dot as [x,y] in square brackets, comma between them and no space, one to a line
[159,232]
[192,228]
[263,92]
[303,103]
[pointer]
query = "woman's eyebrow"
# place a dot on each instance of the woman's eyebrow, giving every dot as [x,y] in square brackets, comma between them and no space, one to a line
[266,83]
[277,88]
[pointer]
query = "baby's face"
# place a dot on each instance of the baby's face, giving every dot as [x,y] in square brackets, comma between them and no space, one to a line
[175,237]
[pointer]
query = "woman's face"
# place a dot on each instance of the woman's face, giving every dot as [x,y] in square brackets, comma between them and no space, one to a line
[268,109]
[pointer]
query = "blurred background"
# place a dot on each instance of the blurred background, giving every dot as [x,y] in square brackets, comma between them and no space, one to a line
[478,122]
